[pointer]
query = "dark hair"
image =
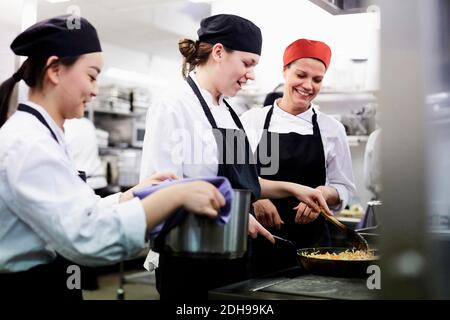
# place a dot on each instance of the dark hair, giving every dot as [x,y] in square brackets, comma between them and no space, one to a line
[271,97]
[195,53]
[32,71]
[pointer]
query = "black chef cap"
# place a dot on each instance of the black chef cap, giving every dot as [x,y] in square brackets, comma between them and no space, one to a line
[61,36]
[232,31]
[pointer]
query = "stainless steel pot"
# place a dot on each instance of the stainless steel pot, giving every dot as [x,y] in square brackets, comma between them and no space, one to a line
[202,237]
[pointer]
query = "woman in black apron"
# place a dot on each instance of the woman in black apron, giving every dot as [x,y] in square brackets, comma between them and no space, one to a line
[224,62]
[48,214]
[301,159]
[178,277]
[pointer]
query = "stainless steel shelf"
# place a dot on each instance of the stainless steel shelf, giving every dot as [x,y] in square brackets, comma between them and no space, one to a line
[366,96]
[354,141]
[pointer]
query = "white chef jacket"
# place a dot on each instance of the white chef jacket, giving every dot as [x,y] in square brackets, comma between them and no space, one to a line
[82,146]
[46,208]
[372,164]
[179,137]
[338,163]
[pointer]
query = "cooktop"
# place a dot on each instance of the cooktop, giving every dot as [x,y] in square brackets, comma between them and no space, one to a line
[293,284]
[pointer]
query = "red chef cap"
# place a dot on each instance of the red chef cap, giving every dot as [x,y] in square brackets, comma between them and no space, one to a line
[304,48]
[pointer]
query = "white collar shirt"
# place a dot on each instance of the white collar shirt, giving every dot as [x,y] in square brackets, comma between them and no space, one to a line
[338,163]
[178,136]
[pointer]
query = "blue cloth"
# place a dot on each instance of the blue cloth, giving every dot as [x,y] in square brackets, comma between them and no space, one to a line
[178,216]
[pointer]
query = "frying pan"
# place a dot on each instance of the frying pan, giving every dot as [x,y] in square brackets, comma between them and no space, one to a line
[336,268]
[328,267]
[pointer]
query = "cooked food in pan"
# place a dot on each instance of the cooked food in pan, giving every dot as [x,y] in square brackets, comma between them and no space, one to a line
[345,255]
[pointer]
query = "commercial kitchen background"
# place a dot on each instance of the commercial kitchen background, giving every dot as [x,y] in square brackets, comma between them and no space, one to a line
[139,38]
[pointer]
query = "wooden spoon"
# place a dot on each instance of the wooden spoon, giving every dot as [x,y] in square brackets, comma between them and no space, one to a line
[355,238]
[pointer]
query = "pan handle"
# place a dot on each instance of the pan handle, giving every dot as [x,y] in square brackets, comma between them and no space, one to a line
[285,241]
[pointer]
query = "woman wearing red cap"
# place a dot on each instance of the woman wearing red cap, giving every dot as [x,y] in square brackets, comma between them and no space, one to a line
[188,132]
[313,151]
[48,215]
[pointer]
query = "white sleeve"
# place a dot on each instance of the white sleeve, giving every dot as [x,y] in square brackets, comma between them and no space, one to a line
[162,149]
[110,200]
[339,169]
[372,164]
[49,197]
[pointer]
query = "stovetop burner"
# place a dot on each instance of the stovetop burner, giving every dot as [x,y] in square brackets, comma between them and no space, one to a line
[294,283]
[322,287]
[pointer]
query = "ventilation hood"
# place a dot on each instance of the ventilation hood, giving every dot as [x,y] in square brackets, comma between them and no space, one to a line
[337,7]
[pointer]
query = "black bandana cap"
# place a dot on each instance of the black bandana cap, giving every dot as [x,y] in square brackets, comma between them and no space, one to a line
[62,36]
[232,31]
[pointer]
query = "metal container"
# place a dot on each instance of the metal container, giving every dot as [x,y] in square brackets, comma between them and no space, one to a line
[202,237]
[372,214]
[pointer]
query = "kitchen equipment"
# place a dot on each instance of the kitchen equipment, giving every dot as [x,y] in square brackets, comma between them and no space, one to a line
[102,138]
[294,284]
[370,218]
[357,240]
[330,267]
[202,237]
[120,129]
[111,167]
[371,235]
[360,121]
[138,134]
[129,162]
[114,98]
[123,130]
[140,100]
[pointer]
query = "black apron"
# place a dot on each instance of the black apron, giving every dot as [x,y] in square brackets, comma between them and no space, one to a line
[302,161]
[46,281]
[191,278]
[241,170]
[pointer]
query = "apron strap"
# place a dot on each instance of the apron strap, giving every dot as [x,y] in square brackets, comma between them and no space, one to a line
[208,111]
[82,175]
[235,117]
[202,102]
[268,117]
[34,112]
[316,130]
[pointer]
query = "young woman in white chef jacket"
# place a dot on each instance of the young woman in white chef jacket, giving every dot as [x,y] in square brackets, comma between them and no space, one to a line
[186,133]
[48,215]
